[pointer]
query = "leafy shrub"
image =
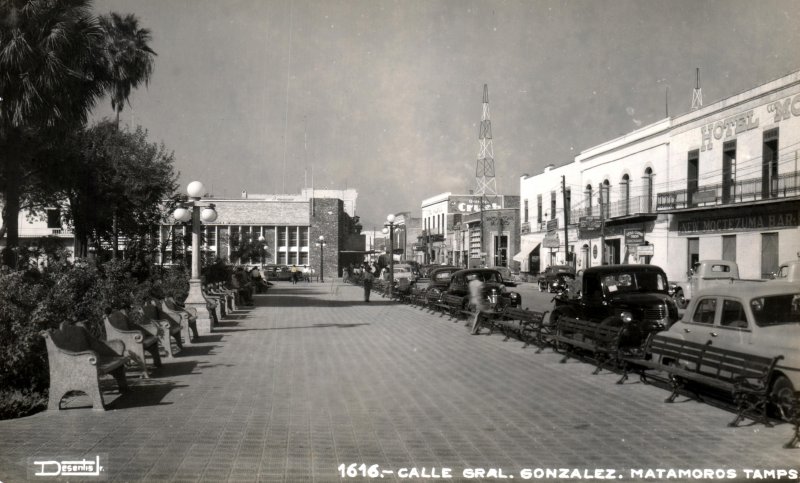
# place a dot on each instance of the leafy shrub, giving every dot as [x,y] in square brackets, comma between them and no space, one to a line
[15,403]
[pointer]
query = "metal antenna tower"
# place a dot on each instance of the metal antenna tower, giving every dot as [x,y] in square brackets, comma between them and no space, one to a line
[697,94]
[484,169]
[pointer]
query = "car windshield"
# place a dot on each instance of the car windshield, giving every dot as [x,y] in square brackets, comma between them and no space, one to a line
[776,309]
[441,276]
[625,282]
[485,277]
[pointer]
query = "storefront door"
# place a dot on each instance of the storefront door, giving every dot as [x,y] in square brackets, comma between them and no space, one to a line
[769,254]
[612,252]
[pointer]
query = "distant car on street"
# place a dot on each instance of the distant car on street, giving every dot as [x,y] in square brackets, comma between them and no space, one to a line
[549,280]
[754,318]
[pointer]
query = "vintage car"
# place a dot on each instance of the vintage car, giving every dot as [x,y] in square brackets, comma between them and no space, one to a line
[635,295]
[549,280]
[278,272]
[438,281]
[788,272]
[754,318]
[508,277]
[494,289]
[705,274]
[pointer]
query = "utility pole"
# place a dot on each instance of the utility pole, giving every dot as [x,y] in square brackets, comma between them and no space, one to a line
[566,219]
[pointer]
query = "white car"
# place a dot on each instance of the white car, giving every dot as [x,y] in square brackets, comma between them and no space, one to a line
[754,318]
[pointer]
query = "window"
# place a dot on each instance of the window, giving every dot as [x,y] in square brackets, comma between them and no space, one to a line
[729,247]
[648,187]
[733,315]
[539,209]
[552,205]
[704,313]
[587,195]
[282,236]
[692,173]
[53,218]
[604,205]
[293,236]
[625,194]
[769,164]
[728,165]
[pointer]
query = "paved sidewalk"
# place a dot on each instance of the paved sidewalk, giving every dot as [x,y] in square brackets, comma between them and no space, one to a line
[312,378]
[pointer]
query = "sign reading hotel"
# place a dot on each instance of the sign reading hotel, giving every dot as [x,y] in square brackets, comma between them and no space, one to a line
[746,222]
[734,125]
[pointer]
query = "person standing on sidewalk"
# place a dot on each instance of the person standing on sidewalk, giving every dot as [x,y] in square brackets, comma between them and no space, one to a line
[368,278]
[294,274]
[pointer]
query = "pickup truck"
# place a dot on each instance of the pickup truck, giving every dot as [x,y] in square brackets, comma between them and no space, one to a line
[788,272]
[705,274]
[631,295]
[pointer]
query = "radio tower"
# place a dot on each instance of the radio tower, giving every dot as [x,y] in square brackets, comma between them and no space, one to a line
[697,94]
[484,169]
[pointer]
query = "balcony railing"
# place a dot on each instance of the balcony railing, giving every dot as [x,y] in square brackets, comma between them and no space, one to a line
[635,205]
[755,189]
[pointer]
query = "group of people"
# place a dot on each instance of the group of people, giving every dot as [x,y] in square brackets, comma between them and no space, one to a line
[301,273]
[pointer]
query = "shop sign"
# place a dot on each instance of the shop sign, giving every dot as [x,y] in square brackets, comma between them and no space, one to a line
[785,108]
[551,240]
[472,204]
[589,226]
[525,228]
[634,237]
[645,250]
[552,225]
[739,222]
[705,196]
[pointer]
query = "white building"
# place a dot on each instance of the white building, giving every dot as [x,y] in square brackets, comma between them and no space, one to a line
[721,181]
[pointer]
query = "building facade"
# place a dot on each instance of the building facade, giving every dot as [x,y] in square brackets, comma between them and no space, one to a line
[719,182]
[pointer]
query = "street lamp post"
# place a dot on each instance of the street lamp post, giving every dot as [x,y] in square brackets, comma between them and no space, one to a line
[390,221]
[197,212]
[321,244]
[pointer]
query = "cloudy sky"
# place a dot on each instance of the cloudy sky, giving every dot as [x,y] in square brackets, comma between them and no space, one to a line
[385,96]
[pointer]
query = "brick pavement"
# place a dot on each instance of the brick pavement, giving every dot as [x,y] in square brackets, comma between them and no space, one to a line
[312,377]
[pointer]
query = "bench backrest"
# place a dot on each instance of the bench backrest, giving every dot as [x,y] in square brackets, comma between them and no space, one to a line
[74,338]
[591,330]
[706,359]
[516,313]
[119,321]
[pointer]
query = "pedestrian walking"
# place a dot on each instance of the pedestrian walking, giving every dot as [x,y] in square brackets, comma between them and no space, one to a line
[368,278]
[294,274]
[477,300]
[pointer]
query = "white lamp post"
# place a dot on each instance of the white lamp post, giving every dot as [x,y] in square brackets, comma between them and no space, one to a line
[197,212]
[321,244]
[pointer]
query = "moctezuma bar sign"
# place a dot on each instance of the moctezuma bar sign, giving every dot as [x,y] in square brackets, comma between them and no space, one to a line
[751,219]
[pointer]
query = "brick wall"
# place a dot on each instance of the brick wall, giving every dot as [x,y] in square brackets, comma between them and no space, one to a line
[326,219]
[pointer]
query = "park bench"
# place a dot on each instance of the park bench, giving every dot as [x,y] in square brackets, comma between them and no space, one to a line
[77,360]
[746,376]
[419,297]
[525,324]
[137,339]
[228,296]
[218,300]
[171,327]
[185,317]
[452,305]
[603,341]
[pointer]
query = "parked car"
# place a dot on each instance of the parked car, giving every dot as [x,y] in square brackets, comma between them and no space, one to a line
[404,270]
[438,281]
[550,276]
[702,275]
[754,318]
[788,272]
[278,272]
[635,295]
[494,289]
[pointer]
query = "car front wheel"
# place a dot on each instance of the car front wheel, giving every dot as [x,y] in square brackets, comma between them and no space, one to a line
[782,397]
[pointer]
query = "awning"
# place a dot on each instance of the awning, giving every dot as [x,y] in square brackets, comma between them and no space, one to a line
[528,244]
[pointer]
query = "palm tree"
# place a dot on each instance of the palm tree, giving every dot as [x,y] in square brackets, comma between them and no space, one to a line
[130,62]
[50,79]
[129,57]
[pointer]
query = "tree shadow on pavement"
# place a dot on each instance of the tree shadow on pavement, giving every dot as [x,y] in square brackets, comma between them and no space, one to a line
[148,392]
[281,301]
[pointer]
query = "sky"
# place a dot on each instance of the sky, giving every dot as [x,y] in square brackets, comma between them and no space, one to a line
[386,96]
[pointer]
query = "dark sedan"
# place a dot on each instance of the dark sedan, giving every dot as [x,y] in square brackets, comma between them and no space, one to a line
[439,281]
[495,291]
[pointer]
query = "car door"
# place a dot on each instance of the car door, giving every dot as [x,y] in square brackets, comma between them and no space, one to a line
[699,324]
[732,330]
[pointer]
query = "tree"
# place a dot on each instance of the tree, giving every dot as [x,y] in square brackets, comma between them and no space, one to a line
[128,55]
[114,177]
[51,77]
